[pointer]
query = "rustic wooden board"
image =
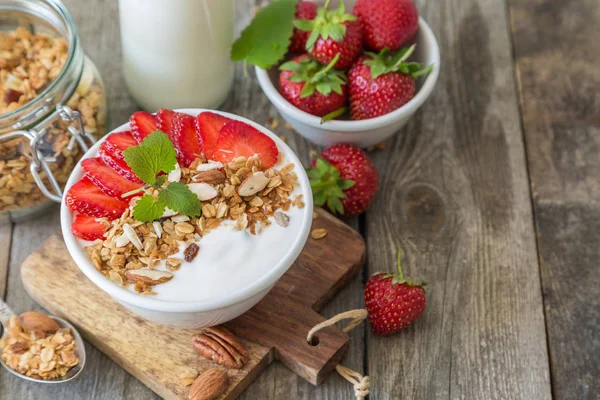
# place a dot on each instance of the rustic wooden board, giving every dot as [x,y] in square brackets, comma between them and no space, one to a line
[157,355]
[557,65]
[454,196]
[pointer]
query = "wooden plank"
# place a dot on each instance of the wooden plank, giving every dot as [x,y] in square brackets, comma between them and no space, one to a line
[5,241]
[454,196]
[277,381]
[560,108]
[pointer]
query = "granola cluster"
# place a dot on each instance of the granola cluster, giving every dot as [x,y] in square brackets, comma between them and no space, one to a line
[239,191]
[37,353]
[28,63]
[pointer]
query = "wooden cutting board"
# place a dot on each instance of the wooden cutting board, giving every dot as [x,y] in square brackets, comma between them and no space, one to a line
[275,329]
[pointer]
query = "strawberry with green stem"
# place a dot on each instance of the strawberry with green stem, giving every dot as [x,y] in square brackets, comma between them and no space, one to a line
[343,179]
[319,90]
[393,301]
[306,10]
[333,32]
[381,83]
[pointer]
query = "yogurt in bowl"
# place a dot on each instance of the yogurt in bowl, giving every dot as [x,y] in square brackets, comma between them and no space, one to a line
[238,260]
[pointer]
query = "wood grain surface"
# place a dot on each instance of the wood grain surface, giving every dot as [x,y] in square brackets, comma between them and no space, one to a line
[454,196]
[557,62]
[275,328]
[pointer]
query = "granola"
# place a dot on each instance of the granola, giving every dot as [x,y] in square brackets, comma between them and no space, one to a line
[132,245]
[28,63]
[37,353]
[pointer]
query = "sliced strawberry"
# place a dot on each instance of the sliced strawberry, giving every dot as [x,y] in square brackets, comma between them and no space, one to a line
[118,165]
[87,228]
[209,125]
[164,119]
[238,139]
[186,139]
[117,142]
[87,198]
[106,178]
[142,125]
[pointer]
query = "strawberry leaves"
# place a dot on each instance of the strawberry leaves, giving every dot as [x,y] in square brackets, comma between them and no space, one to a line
[323,79]
[328,186]
[150,160]
[327,24]
[266,40]
[385,62]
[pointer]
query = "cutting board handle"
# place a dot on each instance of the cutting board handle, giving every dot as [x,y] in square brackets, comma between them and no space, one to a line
[289,325]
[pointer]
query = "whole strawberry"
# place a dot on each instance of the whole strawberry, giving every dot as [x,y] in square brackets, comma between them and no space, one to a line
[393,301]
[306,10]
[333,32]
[381,83]
[387,23]
[319,90]
[343,179]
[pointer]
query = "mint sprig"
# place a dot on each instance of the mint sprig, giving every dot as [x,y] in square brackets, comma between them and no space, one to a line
[265,41]
[148,209]
[150,161]
[154,155]
[178,197]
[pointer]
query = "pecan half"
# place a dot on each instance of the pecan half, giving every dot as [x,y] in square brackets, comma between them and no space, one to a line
[211,176]
[221,346]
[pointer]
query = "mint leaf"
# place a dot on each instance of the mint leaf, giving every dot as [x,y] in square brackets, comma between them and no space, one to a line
[265,41]
[160,180]
[141,163]
[163,151]
[147,209]
[178,197]
[154,155]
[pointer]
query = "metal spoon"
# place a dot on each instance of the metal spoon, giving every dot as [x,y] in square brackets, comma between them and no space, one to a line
[6,313]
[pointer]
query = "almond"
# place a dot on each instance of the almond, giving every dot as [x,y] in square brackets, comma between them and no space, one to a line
[148,276]
[211,176]
[35,321]
[175,175]
[209,385]
[204,191]
[208,166]
[253,184]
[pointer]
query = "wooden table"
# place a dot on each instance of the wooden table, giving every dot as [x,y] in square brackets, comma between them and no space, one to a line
[492,191]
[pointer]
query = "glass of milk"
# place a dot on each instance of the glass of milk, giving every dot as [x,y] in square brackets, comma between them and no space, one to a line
[176,52]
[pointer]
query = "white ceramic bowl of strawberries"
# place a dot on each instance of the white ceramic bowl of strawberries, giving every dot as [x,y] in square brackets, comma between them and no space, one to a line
[377,106]
[87,200]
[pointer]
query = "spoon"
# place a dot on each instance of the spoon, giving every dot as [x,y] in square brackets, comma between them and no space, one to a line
[6,313]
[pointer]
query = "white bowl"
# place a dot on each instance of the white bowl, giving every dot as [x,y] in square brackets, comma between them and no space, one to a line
[366,132]
[193,314]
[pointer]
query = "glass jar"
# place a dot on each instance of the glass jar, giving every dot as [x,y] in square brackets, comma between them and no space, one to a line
[52,104]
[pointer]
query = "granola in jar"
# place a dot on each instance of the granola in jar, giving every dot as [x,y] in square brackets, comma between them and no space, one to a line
[40,72]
